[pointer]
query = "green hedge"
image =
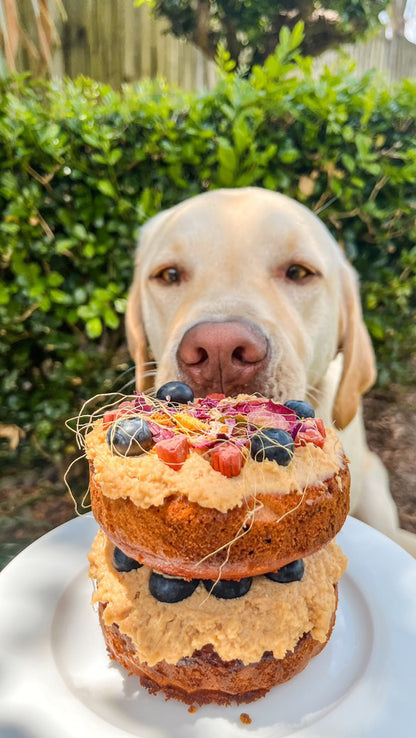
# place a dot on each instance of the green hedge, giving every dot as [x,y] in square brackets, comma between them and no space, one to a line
[82,166]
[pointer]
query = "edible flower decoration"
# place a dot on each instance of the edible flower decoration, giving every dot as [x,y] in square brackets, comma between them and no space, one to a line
[224,429]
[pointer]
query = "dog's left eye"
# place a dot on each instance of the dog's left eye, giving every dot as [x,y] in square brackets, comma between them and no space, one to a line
[170,275]
[298,272]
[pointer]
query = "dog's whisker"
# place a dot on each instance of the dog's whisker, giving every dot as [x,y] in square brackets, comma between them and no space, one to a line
[132,382]
[115,386]
[325,205]
[126,386]
[314,392]
[313,389]
[129,370]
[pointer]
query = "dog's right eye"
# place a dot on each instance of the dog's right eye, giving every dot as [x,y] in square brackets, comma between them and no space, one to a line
[170,275]
[298,273]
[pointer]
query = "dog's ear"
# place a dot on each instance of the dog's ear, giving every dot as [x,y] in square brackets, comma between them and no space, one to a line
[359,369]
[137,340]
[136,337]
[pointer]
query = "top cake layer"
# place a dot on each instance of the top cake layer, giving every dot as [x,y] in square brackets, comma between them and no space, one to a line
[204,451]
[229,487]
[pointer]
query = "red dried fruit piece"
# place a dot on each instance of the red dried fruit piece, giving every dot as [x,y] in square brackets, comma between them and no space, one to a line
[320,426]
[126,408]
[227,459]
[310,435]
[173,451]
[216,396]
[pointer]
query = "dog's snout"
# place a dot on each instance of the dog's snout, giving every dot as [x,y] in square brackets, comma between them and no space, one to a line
[223,356]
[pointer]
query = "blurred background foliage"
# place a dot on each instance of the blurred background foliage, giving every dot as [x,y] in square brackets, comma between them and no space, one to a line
[82,166]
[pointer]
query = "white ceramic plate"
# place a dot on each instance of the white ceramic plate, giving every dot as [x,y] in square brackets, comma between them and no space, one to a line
[56,680]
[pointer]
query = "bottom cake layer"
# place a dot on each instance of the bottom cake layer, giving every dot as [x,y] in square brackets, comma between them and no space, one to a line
[204,677]
[212,645]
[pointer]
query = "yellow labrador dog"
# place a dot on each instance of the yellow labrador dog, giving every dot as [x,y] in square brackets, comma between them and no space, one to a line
[246,291]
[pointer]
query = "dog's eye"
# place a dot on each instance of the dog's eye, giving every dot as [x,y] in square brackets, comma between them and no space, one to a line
[298,272]
[170,275]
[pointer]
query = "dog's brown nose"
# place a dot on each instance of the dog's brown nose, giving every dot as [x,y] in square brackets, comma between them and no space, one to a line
[223,357]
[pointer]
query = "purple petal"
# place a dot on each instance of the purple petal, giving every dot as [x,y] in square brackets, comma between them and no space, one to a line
[159,432]
[276,407]
[265,418]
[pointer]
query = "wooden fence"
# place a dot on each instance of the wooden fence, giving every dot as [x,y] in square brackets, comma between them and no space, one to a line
[396,58]
[113,41]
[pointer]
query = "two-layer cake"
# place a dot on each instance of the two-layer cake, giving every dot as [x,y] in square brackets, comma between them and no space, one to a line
[215,567]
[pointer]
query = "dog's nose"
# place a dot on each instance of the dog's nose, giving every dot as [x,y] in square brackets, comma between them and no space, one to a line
[223,357]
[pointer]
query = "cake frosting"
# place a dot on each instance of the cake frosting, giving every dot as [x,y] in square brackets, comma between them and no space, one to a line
[146,480]
[270,617]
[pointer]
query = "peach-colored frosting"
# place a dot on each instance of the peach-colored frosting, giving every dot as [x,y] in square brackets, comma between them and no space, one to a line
[147,480]
[270,617]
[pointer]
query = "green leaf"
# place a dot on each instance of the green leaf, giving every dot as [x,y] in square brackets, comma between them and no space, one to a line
[94,328]
[348,162]
[88,251]
[54,279]
[284,38]
[298,34]
[226,155]
[288,156]
[64,245]
[241,134]
[107,188]
[5,294]
[223,60]
[60,297]
[114,156]
[79,232]
[120,305]
[111,319]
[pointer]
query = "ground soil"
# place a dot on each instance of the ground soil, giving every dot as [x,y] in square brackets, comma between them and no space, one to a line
[33,502]
[390,419]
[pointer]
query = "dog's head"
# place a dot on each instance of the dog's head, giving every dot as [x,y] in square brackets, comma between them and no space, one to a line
[246,291]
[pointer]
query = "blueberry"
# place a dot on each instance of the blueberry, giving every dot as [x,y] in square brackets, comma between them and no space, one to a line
[169,589]
[292,572]
[301,408]
[129,437]
[273,444]
[175,393]
[228,589]
[121,562]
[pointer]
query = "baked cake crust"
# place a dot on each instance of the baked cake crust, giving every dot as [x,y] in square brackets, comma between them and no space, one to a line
[175,537]
[204,677]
